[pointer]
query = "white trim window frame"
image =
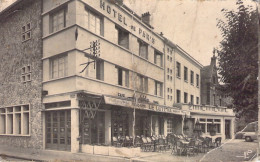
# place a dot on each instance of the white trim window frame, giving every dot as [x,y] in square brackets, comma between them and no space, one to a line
[59,66]
[15,120]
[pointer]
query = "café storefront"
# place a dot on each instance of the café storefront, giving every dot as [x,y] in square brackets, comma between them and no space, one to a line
[129,118]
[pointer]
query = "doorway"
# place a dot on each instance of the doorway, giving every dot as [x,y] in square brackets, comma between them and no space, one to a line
[227,129]
[58,130]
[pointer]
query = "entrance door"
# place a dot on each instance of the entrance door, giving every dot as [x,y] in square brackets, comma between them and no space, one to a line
[58,130]
[227,129]
[93,130]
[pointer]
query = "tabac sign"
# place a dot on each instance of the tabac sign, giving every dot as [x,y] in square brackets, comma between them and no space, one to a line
[126,21]
[143,106]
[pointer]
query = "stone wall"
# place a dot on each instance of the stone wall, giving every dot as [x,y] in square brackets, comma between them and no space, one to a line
[14,55]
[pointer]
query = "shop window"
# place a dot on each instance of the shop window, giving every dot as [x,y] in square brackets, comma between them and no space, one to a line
[185,97]
[15,120]
[26,74]
[143,49]
[26,32]
[191,99]
[58,19]
[142,83]
[178,96]
[120,125]
[197,100]
[122,37]
[123,77]
[158,88]
[158,58]
[59,66]
[191,77]
[178,67]
[94,22]
[185,74]
[197,80]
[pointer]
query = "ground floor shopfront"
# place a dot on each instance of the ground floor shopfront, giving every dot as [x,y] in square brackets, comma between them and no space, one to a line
[219,119]
[76,122]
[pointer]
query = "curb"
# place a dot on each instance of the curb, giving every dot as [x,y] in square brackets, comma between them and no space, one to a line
[18,157]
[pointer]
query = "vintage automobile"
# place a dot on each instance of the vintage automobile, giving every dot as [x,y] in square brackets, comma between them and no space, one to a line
[249,133]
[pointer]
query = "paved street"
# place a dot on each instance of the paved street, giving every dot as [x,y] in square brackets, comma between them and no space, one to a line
[234,150]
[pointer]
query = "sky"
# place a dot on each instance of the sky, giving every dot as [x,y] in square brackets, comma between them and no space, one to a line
[189,23]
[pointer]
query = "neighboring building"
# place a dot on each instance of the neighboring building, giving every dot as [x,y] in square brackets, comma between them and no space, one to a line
[137,82]
[21,75]
[216,102]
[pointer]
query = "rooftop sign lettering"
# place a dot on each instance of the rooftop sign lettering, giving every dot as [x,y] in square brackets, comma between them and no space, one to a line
[125,20]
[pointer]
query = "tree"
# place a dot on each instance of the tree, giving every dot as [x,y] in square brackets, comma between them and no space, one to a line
[238,57]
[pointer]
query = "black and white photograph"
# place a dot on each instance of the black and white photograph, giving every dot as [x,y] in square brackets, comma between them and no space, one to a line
[129,80]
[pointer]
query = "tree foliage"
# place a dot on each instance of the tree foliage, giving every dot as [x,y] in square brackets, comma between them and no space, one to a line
[238,57]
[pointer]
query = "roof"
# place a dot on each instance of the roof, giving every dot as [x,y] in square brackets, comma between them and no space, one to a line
[10,6]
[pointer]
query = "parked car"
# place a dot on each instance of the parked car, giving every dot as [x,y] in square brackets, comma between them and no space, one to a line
[249,133]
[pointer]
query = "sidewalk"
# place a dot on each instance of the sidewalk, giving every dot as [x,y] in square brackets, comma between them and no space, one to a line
[53,155]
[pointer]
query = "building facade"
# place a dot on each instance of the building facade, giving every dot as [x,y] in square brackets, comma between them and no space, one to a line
[21,75]
[95,70]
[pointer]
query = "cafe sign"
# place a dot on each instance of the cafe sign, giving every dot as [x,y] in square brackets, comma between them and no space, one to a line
[143,106]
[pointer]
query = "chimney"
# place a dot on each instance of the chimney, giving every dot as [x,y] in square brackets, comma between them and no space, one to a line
[146,18]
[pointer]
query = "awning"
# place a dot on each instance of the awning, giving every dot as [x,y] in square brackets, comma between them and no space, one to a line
[144,106]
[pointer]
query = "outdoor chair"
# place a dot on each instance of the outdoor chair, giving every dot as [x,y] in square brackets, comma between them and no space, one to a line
[179,148]
[146,146]
[150,143]
[138,142]
[116,142]
[161,145]
[218,141]
[128,142]
[191,148]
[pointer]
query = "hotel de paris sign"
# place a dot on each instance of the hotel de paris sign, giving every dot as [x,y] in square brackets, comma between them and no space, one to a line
[143,106]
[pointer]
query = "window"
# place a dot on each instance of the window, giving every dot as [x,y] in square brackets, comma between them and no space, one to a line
[214,79]
[178,96]
[143,49]
[158,58]
[58,20]
[197,80]
[59,66]
[185,97]
[169,126]
[26,32]
[185,73]
[208,93]
[197,100]
[158,88]
[142,83]
[26,74]
[93,22]
[207,123]
[123,77]
[122,37]
[100,70]
[15,120]
[191,77]
[191,99]
[178,72]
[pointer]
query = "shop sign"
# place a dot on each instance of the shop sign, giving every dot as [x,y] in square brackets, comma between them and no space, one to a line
[124,20]
[207,108]
[143,106]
